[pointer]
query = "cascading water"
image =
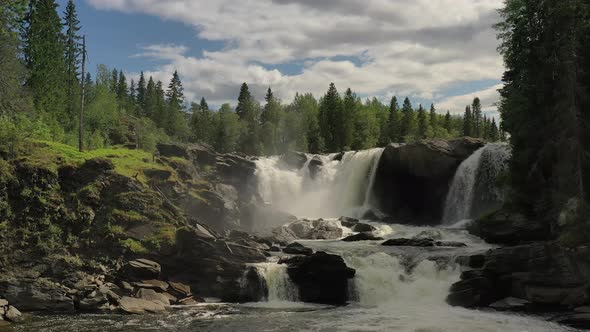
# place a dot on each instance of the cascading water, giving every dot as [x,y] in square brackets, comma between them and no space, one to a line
[474,188]
[338,188]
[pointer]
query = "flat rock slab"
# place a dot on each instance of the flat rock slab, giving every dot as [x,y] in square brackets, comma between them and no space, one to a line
[153,296]
[140,306]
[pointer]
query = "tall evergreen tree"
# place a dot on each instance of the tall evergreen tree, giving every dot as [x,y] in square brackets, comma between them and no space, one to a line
[115,81]
[72,56]
[141,92]
[467,122]
[244,102]
[330,114]
[407,124]
[44,55]
[422,123]
[477,120]
[433,117]
[249,112]
[394,121]
[448,125]
[271,117]
[150,101]
[122,89]
[347,127]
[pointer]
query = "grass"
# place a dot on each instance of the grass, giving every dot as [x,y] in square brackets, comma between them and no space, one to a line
[130,163]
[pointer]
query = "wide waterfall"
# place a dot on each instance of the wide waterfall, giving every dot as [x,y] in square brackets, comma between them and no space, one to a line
[339,187]
[474,189]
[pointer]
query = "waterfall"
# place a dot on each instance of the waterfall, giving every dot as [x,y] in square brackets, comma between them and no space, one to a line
[279,285]
[474,188]
[338,188]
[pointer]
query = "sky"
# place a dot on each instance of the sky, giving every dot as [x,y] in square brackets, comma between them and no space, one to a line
[441,51]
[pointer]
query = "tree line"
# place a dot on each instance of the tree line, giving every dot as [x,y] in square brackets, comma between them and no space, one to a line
[40,93]
[545,107]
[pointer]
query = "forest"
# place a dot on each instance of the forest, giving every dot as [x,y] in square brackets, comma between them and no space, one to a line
[42,84]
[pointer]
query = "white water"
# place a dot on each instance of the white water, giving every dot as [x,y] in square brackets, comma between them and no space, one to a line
[483,167]
[340,188]
[279,285]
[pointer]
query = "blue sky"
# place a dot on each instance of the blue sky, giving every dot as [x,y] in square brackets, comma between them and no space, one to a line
[377,47]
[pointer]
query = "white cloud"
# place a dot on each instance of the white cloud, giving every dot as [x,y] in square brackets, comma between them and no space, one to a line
[409,47]
[488,97]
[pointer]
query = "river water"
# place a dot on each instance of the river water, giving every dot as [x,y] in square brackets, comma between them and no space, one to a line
[395,288]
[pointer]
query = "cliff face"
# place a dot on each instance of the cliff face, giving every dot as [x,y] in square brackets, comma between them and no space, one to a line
[413,179]
[65,215]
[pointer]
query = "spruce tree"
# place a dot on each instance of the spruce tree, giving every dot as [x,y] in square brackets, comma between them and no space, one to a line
[115,81]
[132,92]
[89,89]
[407,124]
[150,101]
[72,56]
[494,134]
[141,92]
[477,122]
[422,123]
[347,127]
[270,123]
[45,58]
[244,102]
[122,89]
[467,122]
[330,114]
[249,112]
[433,118]
[448,125]
[394,121]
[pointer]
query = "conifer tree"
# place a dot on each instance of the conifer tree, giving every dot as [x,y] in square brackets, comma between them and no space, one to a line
[244,102]
[249,112]
[141,92]
[270,123]
[407,120]
[72,56]
[115,81]
[122,89]
[347,128]
[330,114]
[45,57]
[467,122]
[150,108]
[477,120]
[448,125]
[433,118]
[422,123]
[89,89]
[394,121]
[132,92]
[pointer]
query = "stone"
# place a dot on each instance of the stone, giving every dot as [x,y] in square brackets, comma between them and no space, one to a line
[152,295]
[294,159]
[472,261]
[157,285]
[321,277]
[126,286]
[453,244]
[348,222]
[325,230]
[3,303]
[274,249]
[297,249]
[140,306]
[188,301]
[37,295]
[283,235]
[173,299]
[180,289]
[409,242]
[314,166]
[141,269]
[361,228]
[434,234]
[362,237]
[509,228]
[584,309]
[301,228]
[510,304]
[575,320]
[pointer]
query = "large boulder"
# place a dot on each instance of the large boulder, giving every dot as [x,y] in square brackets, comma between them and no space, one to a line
[325,230]
[365,236]
[142,269]
[544,274]
[297,249]
[133,305]
[294,159]
[320,278]
[37,295]
[510,228]
[412,180]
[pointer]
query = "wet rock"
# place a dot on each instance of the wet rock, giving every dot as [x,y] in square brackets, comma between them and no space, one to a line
[97,300]
[325,230]
[434,234]
[153,296]
[142,269]
[13,314]
[348,222]
[37,295]
[320,278]
[274,249]
[315,165]
[140,306]
[297,249]
[283,235]
[361,228]
[472,292]
[453,244]
[505,227]
[472,261]
[301,228]
[179,289]
[158,285]
[575,320]
[362,237]
[412,180]
[409,242]
[254,287]
[294,159]
[510,304]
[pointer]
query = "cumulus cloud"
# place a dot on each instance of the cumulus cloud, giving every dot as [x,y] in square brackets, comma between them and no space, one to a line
[403,47]
[489,97]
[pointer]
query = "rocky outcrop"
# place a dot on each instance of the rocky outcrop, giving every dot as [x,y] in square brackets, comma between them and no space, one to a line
[297,249]
[421,242]
[412,180]
[510,228]
[311,230]
[9,313]
[541,276]
[365,236]
[37,295]
[321,278]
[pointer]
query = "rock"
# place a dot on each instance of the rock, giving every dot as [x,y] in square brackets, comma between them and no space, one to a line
[348,222]
[97,300]
[472,261]
[434,234]
[450,244]
[157,285]
[139,306]
[362,237]
[126,286]
[315,165]
[412,180]
[189,301]
[294,159]
[575,320]
[361,228]
[171,298]
[274,249]
[505,227]
[13,315]
[3,303]
[254,286]
[283,235]
[510,304]
[37,295]
[473,292]
[141,269]
[320,278]
[297,249]
[179,289]
[326,230]
[409,243]
[301,228]
[152,295]
[584,309]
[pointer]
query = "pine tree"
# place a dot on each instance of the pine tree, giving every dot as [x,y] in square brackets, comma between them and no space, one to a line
[174,119]
[72,56]
[477,126]
[422,123]
[330,114]
[347,127]
[407,124]
[122,89]
[150,107]
[115,81]
[494,134]
[141,93]
[244,102]
[44,54]
[270,123]
[467,122]
[132,92]
[89,89]
[448,125]
[394,121]
[249,112]
[433,118]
